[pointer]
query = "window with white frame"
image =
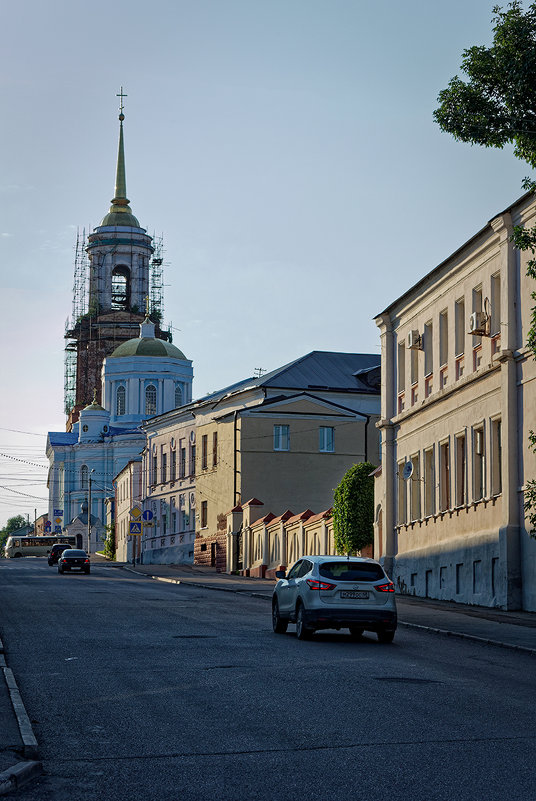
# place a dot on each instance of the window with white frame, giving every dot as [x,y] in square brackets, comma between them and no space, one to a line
[428,349]
[401,366]
[84,477]
[120,405]
[495,322]
[429,482]
[178,395]
[415,489]
[459,327]
[478,463]
[461,471]
[402,500]
[496,456]
[444,476]
[326,439]
[150,400]
[281,438]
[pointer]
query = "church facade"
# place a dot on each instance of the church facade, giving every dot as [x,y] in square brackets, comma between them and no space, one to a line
[124,360]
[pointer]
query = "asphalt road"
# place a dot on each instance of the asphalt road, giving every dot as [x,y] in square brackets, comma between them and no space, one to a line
[143,690]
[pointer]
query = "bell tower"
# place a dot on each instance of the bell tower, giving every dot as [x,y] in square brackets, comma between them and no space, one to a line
[117,264]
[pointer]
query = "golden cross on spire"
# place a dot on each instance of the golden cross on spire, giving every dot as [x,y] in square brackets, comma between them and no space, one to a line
[147,305]
[121,107]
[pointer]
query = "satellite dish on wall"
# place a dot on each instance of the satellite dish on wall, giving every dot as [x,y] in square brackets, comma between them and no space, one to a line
[407,472]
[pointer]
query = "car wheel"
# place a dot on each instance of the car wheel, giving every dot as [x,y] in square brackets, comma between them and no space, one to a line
[303,632]
[86,572]
[60,570]
[386,635]
[356,632]
[278,624]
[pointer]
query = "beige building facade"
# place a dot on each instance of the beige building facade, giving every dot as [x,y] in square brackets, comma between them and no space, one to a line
[128,487]
[168,477]
[458,403]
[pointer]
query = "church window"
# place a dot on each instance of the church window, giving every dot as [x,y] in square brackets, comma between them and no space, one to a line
[121,287]
[150,400]
[120,400]
[178,395]
[84,476]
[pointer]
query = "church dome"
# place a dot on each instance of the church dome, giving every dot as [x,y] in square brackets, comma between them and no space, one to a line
[148,346]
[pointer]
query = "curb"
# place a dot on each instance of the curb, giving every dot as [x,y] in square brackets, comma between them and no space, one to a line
[473,637]
[25,727]
[19,775]
[445,632]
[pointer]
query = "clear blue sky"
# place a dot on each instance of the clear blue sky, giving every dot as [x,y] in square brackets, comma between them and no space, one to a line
[285,148]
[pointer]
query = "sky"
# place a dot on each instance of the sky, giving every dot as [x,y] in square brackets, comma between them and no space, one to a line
[285,150]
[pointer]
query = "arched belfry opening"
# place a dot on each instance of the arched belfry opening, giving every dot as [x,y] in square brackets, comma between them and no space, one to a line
[121,288]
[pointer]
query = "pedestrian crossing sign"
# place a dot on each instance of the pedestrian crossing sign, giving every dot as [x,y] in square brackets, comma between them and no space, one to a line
[135,529]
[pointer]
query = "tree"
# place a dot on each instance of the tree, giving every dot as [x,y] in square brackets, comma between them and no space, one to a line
[495,107]
[12,524]
[353,509]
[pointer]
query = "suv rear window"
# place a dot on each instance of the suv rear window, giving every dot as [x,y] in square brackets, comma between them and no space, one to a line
[351,571]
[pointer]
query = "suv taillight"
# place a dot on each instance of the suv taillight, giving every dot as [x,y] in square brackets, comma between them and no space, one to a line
[86,561]
[319,585]
[389,587]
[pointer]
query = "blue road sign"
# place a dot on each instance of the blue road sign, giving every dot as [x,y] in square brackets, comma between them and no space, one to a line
[57,529]
[58,513]
[48,526]
[135,528]
[147,515]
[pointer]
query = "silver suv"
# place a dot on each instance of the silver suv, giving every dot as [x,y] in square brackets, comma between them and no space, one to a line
[335,592]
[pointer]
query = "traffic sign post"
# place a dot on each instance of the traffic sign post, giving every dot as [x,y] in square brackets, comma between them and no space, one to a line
[136,528]
[147,515]
[135,512]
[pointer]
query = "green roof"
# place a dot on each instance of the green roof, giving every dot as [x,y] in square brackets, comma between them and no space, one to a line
[148,347]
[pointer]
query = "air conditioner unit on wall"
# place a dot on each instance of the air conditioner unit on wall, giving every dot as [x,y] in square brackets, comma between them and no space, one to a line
[479,324]
[414,340]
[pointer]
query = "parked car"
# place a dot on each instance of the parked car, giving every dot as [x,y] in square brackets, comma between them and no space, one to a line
[55,552]
[73,559]
[334,592]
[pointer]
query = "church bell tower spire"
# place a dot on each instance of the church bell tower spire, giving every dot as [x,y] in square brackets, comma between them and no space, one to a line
[120,212]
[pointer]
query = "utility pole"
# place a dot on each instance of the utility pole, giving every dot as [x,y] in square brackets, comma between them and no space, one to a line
[89,513]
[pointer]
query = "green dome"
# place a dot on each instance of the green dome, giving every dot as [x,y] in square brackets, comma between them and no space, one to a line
[148,347]
[120,218]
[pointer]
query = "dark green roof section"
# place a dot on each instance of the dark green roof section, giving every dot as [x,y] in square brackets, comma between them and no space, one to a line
[148,347]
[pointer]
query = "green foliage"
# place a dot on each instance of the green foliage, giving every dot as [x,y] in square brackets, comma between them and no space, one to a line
[497,105]
[13,523]
[353,509]
[109,542]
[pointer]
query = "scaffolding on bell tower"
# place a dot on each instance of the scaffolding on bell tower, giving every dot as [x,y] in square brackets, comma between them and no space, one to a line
[156,279]
[80,307]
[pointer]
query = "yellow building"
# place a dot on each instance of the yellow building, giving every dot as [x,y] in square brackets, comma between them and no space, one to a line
[458,402]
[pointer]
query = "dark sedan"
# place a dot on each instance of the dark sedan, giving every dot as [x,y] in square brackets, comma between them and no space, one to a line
[74,559]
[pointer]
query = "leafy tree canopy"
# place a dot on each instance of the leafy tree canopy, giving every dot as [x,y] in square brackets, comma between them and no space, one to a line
[353,509]
[12,524]
[497,105]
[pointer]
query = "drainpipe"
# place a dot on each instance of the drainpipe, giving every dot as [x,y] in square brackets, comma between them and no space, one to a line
[235,417]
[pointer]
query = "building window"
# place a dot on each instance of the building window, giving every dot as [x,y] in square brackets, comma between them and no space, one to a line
[173,465]
[120,401]
[154,470]
[415,489]
[443,348]
[150,400]
[178,395]
[461,483]
[174,522]
[214,449]
[402,515]
[478,463]
[84,477]
[204,514]
[459,336]
[496,457]
[164,467]
[326,439]
[182,463]
[429,483]
[401,367]
[192,460]
[444,476]
[204,452]
[428,349]
[281,438]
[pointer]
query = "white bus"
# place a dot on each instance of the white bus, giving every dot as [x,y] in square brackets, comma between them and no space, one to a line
[34,546]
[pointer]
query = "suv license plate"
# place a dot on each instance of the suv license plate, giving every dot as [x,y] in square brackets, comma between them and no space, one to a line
[354,594]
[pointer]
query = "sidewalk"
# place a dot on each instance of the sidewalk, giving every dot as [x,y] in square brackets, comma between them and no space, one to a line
[514,630]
